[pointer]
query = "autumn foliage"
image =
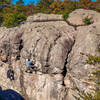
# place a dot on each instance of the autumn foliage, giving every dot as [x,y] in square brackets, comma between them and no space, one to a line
[12,15]
[57,7]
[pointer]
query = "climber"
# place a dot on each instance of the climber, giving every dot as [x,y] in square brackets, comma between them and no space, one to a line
[10,74]
[30,66]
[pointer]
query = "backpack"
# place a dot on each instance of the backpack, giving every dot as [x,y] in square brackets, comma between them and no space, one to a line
[10,74]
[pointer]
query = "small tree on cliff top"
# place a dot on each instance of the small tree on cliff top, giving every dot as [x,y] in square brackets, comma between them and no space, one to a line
[86,4]
[43,6]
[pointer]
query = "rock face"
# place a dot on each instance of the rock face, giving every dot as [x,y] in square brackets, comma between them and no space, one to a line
[45,43]
[79,72]
[48,44]
[77,16]
[41,17]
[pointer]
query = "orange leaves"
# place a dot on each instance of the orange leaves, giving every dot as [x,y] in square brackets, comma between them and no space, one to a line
[86,4]
[30,9]
[57,7]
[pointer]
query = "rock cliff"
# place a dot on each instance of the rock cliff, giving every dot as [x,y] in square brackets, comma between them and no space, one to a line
[54,46]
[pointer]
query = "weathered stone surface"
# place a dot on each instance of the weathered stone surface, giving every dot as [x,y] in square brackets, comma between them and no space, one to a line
[79,72]
[41,16]
[45,43]
[77,16]
[48,44]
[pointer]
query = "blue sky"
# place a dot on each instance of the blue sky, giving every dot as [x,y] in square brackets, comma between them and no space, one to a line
[27,1]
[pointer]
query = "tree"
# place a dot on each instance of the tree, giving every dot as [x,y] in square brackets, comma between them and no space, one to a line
[13,15]
[13,19]
[86,4]
[43,6]
[97,5]
[4,3]
[57,7]
[1,19]
[30,9]
[20,2]
[67,0]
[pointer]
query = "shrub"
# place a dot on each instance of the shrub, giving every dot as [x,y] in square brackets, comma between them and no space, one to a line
[43,6]
[87,20]
[20,18]
[65,14]
[1,20]
[69,6]
[86,4]
[92,59]
[13,19]
[83,95]
[57,7]
[95,95]
[96,78]
[8,20]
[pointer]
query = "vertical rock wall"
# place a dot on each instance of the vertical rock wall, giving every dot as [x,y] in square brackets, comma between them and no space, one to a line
[48,41]
[45,43]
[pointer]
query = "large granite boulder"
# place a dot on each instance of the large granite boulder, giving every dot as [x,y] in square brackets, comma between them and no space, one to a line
[50,43]
[45,43]
[41,17]
[77,16]
[79,72]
